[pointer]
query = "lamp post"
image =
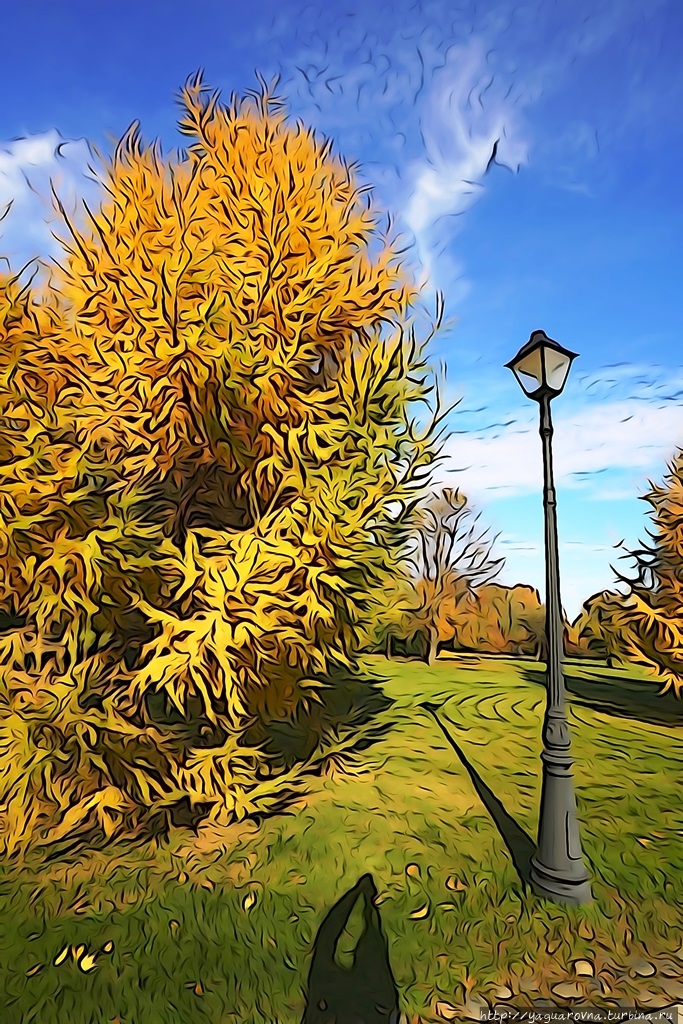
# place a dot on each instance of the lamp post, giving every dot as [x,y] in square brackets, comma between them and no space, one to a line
[557,869]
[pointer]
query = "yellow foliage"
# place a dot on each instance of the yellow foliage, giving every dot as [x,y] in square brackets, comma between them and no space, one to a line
[502,620]
[600,629]
[652,618]
[205,430]
[645,625]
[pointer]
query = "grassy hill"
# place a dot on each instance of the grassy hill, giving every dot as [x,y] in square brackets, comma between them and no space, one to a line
[440,805]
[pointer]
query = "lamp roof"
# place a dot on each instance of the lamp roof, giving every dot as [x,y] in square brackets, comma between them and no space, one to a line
[539,339]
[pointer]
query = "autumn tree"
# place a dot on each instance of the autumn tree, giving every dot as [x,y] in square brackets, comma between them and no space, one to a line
[599,629]
[651,619]
[451,555]
[206,429]
[502,620]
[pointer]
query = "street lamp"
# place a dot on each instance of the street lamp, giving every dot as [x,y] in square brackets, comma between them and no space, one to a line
[557,869]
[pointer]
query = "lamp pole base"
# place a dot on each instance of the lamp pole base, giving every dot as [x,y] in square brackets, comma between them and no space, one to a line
[557,868]
[548,884]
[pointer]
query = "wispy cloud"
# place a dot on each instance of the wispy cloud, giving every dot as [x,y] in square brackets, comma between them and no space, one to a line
[592,446]
[639,382]
[28,168]
[422,92]
[419,94]
[471,121]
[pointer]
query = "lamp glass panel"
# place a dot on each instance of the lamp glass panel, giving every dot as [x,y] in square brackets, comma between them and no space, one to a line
[556,368]
[529,371]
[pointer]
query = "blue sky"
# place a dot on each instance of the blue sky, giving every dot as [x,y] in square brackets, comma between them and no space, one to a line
[578,231]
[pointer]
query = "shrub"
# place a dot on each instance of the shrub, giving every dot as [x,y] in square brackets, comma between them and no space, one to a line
[205,433]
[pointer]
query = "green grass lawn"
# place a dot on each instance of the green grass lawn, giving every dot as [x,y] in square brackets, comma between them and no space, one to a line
[217,928]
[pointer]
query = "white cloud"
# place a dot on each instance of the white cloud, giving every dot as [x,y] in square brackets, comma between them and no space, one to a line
[626,381]
[469,110]
[28,167]
[17,156]
[419,95]
[636,437]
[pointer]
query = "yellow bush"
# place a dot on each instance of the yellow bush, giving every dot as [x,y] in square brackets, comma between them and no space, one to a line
[651,621]
[205,432]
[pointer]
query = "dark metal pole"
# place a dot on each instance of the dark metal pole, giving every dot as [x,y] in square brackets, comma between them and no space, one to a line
[557,868]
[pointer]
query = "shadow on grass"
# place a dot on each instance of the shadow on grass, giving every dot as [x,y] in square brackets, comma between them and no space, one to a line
[349,718]
[619,695]
[348,704]
[519,844]
[363,991]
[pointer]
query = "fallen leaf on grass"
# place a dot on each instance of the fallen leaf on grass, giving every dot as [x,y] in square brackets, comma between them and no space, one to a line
[474,1007]
[199,989]
[108,947]
[568,990]
[446,1011]
[34,970]
[642,968]
[87,962]
[420,913]
[413,870]
[61,957]
[454,884]
[249,901]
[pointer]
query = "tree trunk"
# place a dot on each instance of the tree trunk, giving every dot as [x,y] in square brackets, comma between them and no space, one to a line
[433,648]
[388,645]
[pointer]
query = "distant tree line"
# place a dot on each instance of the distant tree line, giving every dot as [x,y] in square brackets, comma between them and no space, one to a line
[444,598]
[442,595]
